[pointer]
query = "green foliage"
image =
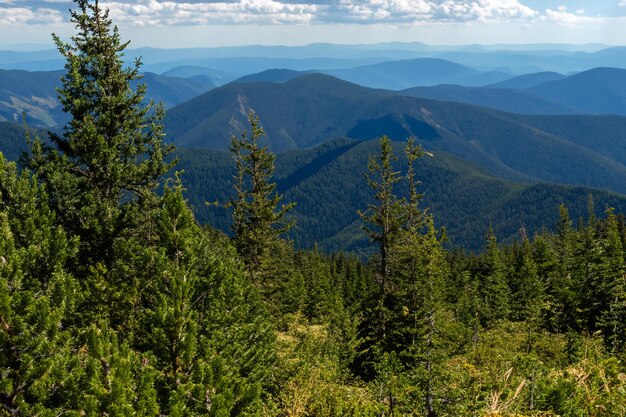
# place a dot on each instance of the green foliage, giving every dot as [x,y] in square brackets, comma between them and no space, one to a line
[257,219]
[115,301]
[101,173]
[327,184]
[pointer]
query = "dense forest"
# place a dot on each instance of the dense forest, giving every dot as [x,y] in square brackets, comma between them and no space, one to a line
[114,301]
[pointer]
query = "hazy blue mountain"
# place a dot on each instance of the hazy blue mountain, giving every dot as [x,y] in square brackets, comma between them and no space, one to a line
[250,65]
[314,108]
[518,59]
[597,91]
[529,80]
[600,90]
[45,60]
[173,90]
[510,100]
[530,61]
[34,94]
[189,71]
[31,94]
[272,76]
[399,75]
[328,185]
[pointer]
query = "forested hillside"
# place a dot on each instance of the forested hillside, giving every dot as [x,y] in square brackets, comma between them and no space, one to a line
[312,109]
[327,183]
[114,301]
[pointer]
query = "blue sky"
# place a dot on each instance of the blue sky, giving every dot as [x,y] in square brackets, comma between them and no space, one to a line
[186,23]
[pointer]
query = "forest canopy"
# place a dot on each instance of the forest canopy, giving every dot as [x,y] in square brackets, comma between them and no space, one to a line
[115,301]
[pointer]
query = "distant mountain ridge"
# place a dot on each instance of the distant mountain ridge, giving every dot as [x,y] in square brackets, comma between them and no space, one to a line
[272,76]
[34,94]
[398,75]
[597,91]
[528,80]
[505,99]
[312,109]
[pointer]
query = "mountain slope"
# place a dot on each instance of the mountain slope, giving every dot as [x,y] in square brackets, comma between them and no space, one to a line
[272,76]
[327,184]
[510,100]
[529,80]
[398,75]
[34,93]
[600,91]
[311,109]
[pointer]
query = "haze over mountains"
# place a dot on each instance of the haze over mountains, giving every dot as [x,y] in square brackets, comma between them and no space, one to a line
[501,121]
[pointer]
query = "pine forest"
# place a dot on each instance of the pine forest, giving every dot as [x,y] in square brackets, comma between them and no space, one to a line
[115,301]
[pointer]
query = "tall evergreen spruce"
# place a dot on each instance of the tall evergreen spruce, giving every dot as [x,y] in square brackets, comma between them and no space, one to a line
[102,171]
[384,220]
[258,221]
[495,291]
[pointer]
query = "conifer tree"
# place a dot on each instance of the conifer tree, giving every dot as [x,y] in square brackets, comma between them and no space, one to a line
[562,288]
[494,290]
[422,273]
[102,171]
[48,367]
[35,299]
[612,291]
[258,221]
[205,323]
[384,220]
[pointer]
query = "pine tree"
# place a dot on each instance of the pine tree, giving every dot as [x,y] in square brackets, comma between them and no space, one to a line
[494,289]
[561,289]
[102,171]
[204,322]
[612,320]
[384,220]
[422,272]
[258,221]
[36,296]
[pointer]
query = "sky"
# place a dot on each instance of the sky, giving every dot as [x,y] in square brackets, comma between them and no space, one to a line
[207,23]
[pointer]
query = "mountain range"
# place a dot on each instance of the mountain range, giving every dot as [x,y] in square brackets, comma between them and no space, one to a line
[312,109]
[508,146]
[398,75]
[33,94]
[516,59]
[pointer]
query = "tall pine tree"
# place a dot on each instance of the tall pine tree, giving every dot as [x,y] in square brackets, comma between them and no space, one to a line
[258,221]
[101,173]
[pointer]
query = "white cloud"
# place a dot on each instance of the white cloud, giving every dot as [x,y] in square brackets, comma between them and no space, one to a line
[153,12]
[26,15]
[622,3]
[564,17]
[156,12]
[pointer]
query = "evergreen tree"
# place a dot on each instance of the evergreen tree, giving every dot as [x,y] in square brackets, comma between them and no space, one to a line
[102,171]
[257,219]
[561,288]
[384,221]
[35,299]
[205,323]
[494,289]
[422,272]
[48,367]
[612,320]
